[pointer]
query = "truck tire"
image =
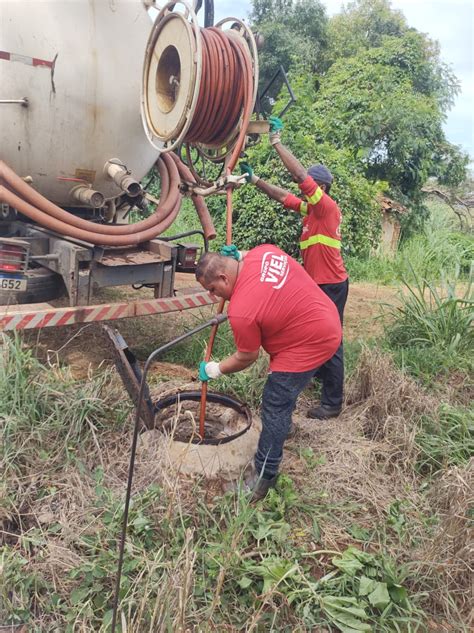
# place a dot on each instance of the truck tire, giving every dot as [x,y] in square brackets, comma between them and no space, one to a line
[43,285]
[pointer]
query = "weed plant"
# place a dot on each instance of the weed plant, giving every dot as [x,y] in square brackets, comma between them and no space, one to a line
[445,440]
[433,327]
[229,565]
[45,417]
[440,248]
[429,317]
[329,549]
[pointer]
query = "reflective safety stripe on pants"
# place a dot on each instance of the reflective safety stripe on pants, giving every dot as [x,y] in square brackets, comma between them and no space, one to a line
[320,239]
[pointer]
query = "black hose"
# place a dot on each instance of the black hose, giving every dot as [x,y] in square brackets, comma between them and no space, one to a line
[170,238]
[215,321]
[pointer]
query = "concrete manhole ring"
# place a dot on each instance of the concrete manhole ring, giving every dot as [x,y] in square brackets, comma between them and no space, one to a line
[231,435]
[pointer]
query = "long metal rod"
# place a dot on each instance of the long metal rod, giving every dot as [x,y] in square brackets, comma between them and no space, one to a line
[23,102]
[219,318]
[210,345]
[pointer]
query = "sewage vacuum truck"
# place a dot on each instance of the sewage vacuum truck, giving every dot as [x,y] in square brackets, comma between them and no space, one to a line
[93,96]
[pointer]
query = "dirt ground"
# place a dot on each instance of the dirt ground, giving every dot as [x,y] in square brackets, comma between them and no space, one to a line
[85,348]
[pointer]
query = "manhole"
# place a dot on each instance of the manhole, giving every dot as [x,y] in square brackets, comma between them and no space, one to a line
[226,417]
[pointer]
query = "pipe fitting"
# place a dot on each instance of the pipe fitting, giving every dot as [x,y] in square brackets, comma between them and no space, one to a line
[122,178]
[88,196]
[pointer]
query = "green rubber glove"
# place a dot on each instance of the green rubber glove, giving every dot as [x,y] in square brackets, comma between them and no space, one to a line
[203,377]
[231,251]
[276,126]
[246,169]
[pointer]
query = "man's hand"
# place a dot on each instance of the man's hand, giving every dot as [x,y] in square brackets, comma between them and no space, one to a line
[231,251]
[276,126]
[209,370]
[248,171]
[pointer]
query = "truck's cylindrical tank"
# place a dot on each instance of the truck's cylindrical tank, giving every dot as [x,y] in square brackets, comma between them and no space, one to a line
[79,65]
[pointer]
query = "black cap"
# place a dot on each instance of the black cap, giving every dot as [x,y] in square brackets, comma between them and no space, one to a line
[320,174]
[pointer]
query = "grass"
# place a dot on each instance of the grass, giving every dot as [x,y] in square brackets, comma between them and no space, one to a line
[446,440]
[439,249]
[430,329]
[340,545]
[429,317]
[368,529]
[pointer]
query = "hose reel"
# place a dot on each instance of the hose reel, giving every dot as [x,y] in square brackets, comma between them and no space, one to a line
[197,83]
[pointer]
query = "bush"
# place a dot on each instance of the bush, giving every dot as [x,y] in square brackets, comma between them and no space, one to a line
[257,219]
[431,318]
[446,440]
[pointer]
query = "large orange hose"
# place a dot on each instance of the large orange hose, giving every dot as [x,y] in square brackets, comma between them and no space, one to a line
[25,199]
[63,228]
[246,68]
[198,201]
[170,195]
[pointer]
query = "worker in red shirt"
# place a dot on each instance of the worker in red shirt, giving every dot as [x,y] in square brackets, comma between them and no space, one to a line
[274,304]
[320,246]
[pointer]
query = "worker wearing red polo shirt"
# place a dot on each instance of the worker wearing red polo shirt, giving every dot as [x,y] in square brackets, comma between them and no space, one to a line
[274,304]
[320,246]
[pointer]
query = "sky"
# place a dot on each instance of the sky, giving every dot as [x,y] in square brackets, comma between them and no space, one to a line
[450,22]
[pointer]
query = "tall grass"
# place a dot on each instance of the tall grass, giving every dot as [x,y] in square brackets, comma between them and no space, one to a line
[47,418]
[430,330]
[301,560]
[439,247]
[433,317]
[446,440]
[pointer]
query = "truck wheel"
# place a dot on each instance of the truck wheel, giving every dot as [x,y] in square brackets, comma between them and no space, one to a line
[43,285]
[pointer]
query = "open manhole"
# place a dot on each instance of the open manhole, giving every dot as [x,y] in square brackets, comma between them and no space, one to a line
[226,417]
[176,416]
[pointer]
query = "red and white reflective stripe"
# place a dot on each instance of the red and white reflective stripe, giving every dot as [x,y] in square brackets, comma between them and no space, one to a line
[23,59]
[15,319]
[173,304]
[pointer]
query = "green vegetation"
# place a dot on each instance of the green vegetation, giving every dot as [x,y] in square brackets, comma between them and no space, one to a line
[434,318]
[436,252]
[372,94]
[429,329]
[341,544]
[369,526]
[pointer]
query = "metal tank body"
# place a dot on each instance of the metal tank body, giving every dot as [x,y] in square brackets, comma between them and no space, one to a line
[79,65]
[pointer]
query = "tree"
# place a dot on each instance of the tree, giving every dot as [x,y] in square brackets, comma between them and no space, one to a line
[388,104]
[372,95]
[292,31]
[257,219]
[360,26]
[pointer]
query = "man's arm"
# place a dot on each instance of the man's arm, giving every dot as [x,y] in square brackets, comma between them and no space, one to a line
[292,164]
[238,361]
[272,191]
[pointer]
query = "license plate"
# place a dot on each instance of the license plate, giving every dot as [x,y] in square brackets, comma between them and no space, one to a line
[12,282]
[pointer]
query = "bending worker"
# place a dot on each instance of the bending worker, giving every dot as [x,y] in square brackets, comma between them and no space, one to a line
[320,246]
[274,304]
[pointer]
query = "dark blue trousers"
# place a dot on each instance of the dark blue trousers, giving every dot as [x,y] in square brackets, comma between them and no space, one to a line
[278,403]
[331,373]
